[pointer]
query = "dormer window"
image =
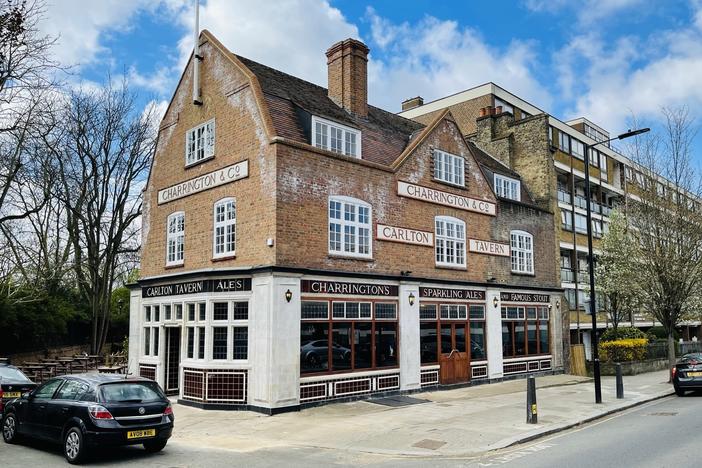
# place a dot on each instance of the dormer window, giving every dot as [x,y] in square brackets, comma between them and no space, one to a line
[449,168]
[506,187]
[337,138]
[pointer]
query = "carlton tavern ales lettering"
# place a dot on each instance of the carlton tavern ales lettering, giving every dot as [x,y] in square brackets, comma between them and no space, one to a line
[213,179]
[440,197]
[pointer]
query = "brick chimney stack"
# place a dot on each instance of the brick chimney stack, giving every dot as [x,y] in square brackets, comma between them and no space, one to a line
[347,66]
[411,103]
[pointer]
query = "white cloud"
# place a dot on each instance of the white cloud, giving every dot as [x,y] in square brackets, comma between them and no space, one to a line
[634,75]
[434,58]
[79,26]
[160,81]
[291,36]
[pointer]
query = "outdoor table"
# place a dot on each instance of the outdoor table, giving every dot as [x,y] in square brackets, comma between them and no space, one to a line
[110,369]
[96,358]
[33,363]
[82,361]
[37,371]
[68,362]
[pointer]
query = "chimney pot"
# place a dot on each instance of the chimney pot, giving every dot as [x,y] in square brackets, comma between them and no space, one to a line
[411,103]
[498,110]
[483,112]
[347,73]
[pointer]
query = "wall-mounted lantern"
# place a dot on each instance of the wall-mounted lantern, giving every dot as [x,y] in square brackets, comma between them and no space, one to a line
[411,298]
[495,302]
[288,295]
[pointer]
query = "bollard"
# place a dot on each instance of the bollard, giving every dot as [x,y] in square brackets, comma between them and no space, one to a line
[532,416]
[620,381]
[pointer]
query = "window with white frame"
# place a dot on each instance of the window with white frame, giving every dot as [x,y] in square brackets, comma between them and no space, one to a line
[564,141]
[350,223]
[335,137]
[577,149]
[450,241]
[200,143]
[175,238]
[449,168]
[522,244]
[224,228]
[507,187]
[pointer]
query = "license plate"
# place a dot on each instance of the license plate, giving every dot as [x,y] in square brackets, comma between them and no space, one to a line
[141,434]
[9,395]
[694,374]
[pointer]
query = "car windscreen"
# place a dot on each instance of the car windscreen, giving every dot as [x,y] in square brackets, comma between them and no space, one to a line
[12,374]
[692,357]
[130,392]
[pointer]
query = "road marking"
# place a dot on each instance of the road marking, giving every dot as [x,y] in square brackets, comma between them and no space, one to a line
[516,455]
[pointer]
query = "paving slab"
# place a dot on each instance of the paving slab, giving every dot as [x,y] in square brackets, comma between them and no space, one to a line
[457,422]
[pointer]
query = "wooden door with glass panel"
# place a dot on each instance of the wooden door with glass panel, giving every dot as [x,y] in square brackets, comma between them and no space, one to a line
[454,359]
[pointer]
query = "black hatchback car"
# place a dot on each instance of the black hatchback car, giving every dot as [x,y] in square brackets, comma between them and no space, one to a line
[13,383]
[88,410]
[687,373]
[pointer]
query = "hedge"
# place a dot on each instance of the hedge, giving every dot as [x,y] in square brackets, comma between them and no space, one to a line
[624,350]
[622,333]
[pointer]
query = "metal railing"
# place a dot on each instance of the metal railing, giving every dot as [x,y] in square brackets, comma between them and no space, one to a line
[564,197]
[567,275]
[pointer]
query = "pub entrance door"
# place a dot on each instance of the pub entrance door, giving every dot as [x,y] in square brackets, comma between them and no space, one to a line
[454,359]
[172,360]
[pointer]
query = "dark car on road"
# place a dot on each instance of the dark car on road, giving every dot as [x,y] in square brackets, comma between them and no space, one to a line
[88,410]
[13,383]
[687,373]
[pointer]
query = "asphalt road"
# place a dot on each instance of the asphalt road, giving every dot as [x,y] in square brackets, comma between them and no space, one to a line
[664,433]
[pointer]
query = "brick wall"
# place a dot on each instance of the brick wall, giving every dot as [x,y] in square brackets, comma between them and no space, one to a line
[240,135]
[307,178]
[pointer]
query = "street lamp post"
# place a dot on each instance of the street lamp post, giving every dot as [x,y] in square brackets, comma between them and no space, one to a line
[591,259]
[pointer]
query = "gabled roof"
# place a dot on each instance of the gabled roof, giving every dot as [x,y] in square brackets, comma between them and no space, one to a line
[384,134]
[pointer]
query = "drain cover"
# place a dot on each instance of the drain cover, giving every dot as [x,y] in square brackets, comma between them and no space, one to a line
[429,444]
[663,414]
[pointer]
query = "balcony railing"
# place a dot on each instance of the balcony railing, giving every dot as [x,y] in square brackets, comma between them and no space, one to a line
[564,197]
[567,275]
[580,202]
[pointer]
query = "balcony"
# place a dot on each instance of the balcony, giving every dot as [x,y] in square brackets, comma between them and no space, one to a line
[567,275]
[580,202]
[564,197]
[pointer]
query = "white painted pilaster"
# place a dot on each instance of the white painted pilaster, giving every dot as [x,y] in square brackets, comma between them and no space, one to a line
[556,337]
[493,323]
[274,379]
[409,337]
[134,335]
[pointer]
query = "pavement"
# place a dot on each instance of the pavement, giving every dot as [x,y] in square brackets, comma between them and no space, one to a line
[462,422]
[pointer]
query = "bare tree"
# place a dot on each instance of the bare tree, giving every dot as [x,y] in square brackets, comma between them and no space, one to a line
[666,218]
[103,154]
[27,90]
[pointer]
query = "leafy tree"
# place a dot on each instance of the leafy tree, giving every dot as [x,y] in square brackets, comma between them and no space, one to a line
[616,273]
[665,219]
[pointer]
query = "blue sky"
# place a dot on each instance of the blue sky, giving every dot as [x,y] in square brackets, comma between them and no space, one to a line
[604,60]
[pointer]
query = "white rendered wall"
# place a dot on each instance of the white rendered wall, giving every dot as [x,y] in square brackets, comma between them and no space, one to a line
[410,355]
[493,323]
[274,332]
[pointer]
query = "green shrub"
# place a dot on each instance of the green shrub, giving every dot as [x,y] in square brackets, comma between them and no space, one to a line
[624,350]
[622,333]
[660,333]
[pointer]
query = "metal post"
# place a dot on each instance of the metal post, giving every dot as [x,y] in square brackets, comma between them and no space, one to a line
[532,416]
[620,382]
[591,266]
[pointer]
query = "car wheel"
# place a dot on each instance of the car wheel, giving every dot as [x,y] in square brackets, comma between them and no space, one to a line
[155,446]
[9,429]
[679,391]
[74,446]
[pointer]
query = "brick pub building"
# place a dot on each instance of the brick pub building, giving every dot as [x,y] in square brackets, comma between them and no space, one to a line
[302,246]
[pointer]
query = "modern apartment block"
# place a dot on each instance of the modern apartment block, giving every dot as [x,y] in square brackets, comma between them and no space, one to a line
[548,154]
[302,246]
